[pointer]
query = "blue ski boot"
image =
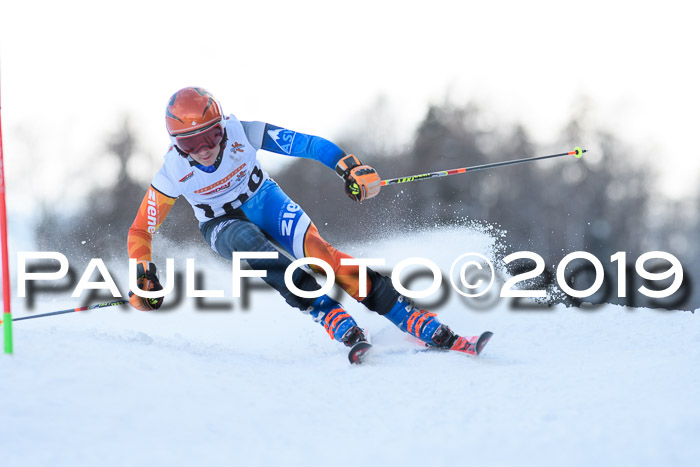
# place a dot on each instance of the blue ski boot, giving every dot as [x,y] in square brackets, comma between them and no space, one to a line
[337,322]
[421,324]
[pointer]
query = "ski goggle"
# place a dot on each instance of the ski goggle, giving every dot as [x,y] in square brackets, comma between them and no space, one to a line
[207,139]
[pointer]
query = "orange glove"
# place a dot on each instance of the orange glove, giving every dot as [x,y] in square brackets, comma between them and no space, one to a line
[147,280]
[361,181]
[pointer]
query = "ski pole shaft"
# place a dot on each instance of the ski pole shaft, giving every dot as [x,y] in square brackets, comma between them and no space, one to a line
[73,310]
[578,152]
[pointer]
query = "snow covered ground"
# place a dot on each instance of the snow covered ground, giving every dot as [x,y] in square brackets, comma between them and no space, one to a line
[266,386]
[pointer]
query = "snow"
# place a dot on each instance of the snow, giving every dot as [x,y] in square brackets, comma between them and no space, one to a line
[558,386]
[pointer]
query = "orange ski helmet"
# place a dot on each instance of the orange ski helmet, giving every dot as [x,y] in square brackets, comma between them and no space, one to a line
[191,109]
[193,118]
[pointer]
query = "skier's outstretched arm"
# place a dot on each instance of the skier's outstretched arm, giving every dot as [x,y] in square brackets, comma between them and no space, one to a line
[154,208]
[361,181]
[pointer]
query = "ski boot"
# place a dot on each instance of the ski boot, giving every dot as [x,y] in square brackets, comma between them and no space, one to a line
[419,323]
[341,326]
[426,327]
[445,339]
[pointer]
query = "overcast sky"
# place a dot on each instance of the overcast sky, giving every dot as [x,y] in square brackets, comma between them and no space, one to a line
[70,70]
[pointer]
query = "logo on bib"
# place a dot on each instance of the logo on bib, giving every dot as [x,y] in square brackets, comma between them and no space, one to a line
[237,147]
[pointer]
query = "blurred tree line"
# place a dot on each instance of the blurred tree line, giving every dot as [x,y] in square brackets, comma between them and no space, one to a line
[602,204]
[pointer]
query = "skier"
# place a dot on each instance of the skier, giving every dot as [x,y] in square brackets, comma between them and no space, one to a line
[213,163]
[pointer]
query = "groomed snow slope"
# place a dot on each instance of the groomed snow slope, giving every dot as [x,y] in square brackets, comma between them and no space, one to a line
[267,386]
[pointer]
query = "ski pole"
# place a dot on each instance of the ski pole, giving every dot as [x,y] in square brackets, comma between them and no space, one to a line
[578,152]
[72,310]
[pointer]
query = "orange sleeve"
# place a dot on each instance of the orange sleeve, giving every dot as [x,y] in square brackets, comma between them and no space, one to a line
[152,212]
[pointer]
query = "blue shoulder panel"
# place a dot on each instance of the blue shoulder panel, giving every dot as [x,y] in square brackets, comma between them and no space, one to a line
[283,141]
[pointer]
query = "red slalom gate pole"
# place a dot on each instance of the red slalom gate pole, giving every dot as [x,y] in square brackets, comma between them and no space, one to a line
[6,297]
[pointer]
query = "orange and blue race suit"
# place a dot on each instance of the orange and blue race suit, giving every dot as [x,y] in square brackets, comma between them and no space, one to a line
[239,208]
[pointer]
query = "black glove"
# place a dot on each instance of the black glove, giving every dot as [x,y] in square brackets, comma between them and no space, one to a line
[361,181]
[146,280]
